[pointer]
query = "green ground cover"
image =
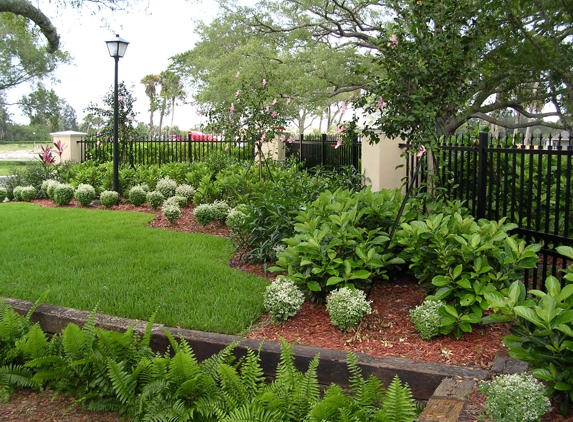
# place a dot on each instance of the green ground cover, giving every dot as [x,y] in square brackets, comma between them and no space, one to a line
[115,261]
[7,166]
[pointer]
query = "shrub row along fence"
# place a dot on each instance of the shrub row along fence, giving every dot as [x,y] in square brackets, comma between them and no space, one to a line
[326,151]
[529,184]
[322,150]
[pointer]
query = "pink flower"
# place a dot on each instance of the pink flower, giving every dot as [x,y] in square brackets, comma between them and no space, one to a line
[343,107]
[120,98]
[393,41]
[267,109]
[274,114]
[282,138]
[339,129]
[381,104]
[421,152]
[274,102]
[263,137]
[338,143]
[199,112]
[238,74]
[264,82]
[232,109]
[288,100]
[290,140]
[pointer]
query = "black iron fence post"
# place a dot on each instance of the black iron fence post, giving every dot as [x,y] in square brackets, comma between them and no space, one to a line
[482,175]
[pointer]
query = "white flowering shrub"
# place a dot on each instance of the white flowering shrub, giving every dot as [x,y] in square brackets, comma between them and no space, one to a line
[45,185]
[28,193]
[108,198]
[155,199]
[186,191]
[220,210]
[17,193]
[282,299]
[85,194]
[346,307]
[166,186]
[137,195]
[51,187]
[204,214]
[235,218]
[3,194]
[427,319]
[180,200]
[63,194]
[515,398]
[171,211]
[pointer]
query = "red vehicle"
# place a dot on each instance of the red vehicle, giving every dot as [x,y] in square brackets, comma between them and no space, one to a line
[200,136]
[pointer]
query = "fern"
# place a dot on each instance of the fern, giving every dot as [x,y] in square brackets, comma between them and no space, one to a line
[37,303]
[12,376]
[123,384]
[398,405]
[233,391]
[367,393]
[253,413]
[252,375]
[34,344]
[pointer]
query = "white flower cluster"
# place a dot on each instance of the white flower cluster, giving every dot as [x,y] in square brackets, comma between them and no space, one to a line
[282,299]
[85,194]
[427,319]
[171,210]
[515,398]
[346,307]
[166,186]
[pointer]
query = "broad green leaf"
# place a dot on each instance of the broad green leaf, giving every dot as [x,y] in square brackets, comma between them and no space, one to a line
[360,274]
[562,386]
[334,280]
[467,299]
[542,374]
[441,280]
[313,286]
[566,251]
[529,315]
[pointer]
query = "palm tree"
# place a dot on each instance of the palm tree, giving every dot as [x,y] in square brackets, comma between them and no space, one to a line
[150,82]
[171,90]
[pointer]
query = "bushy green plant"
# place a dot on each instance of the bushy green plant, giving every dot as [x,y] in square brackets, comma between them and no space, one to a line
[51,187]
[45,185]
[171,210]
[63,194]
[282,299]
[3,194]
[541,334]
[180,200]
[32,174]
[187,191]
[235,218]
[137,195]
[17,193]
[204,214]
[85,194]
[515,398]
[155,199]
[427,318]
[28,193]
[220,210]
[109,198]
[166,186]
[346,307]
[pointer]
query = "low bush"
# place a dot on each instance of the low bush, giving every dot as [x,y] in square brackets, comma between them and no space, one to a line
[235,218]
[155,199]
[63,194]
[187,191]
[171,210]
[427,318]
[17,193]
[85,194]
[109,198]
[346,307]
[180,200]
[3,194]
[28,193]
[220,210]
[166,186]
[137,195]
[204,214]
[282,299]
[45,185]
[51,187]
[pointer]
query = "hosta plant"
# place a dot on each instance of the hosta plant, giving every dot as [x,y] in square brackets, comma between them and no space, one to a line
[346,307]
[541,334]
[515,398]
[282,299]
[155,199]
[63,194]
[85,194]
[137,195]
[427,318]
[28,193]
[109,198]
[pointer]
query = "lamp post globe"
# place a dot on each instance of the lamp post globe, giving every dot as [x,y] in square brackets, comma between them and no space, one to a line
[116,48]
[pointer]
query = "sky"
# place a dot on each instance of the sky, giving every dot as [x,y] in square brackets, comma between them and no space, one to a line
[166,29]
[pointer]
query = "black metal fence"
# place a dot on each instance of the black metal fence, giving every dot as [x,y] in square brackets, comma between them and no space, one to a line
[530,185]
[326,151]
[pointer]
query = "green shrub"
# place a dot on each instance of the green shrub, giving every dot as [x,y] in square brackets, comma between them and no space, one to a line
[515,398]
[44,187]
[282,299]
[85,194]
[32,174]
[28,193]
[171,211]
[235,218]
[17,192]
[180,200]
[187,191]
[155,199]
[137,195]
[220,210]
[427,318]
[166,186]
[3,194]
[109,198]
[51,187]
[346,307]
[204,214]
[63,194]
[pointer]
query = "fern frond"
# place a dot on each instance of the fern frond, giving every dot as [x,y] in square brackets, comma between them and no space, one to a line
[329,408]
[183,366]
[306,392]
[398,405]
[210,365]
[76,342]
[123,383]
[34,344]
[17,376]
[37,303]
[253,413]
[89,326]
[232,388]
[252,374]
[145,341]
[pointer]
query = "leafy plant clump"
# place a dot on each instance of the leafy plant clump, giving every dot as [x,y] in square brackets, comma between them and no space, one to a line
[109,198]
[180,200]
[63,194]
[137,196]
[166,186]
[236,216]
[45,185]
[346,307]
[28,193]
[171,210]
[85,194]
[3,194]
[515,398]
[51,188]
[204,214]
[427,318]
[282,299]
[17,192]
[187,191]
[155,199]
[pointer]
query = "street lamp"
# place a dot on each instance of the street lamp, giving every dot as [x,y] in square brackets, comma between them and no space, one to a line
[116,48]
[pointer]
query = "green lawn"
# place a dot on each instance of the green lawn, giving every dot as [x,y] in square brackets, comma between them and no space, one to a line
[113,260]
[7,166]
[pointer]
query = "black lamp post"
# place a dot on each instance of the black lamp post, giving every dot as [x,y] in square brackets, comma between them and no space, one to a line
[116,48]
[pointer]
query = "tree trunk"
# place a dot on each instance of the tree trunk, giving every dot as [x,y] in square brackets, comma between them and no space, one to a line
[151,125]
[161,114]
[172,115]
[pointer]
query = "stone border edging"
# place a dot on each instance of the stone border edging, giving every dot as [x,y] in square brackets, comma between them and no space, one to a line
[422,377]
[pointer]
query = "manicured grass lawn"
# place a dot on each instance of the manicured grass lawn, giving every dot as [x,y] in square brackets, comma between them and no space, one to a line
[6,166]
[113,260]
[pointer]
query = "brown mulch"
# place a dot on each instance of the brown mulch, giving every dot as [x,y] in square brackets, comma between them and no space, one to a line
[387,332]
